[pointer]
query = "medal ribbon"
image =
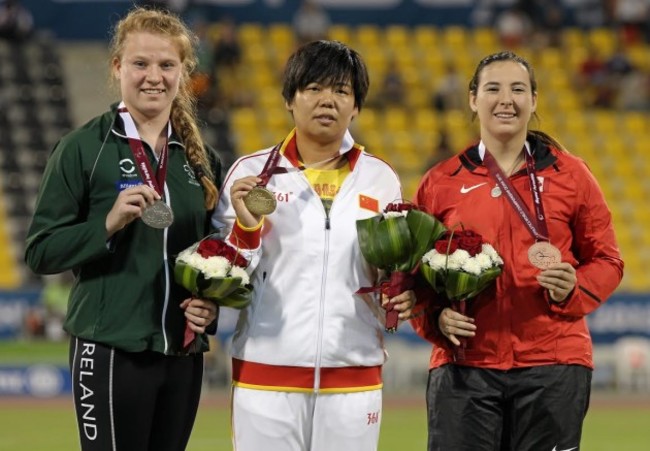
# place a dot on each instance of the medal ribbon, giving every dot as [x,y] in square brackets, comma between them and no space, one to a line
[137,148]
[536,225]
[271,166]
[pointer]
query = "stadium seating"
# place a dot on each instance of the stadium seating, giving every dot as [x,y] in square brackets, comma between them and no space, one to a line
[9,274]
[33,119]
[609,140]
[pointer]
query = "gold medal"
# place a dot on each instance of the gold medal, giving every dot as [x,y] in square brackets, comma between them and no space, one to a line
[260,201]
[158,215]
[543,254]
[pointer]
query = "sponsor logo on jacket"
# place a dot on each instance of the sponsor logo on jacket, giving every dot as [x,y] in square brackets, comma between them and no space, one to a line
[191,177]
[129,176]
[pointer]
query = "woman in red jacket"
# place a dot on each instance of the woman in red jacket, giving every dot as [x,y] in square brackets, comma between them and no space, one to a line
[524,383]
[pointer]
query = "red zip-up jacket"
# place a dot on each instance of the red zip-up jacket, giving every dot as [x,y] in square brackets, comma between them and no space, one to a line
[517,325]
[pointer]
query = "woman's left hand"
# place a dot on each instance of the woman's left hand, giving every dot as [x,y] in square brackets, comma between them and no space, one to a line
[559,279]
[199,313]
[403,303]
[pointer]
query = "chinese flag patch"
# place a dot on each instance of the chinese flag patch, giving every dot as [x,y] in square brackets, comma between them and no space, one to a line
[368,203]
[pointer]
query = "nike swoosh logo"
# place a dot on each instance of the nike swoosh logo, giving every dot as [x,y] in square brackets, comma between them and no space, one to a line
[464,190]
[568,449]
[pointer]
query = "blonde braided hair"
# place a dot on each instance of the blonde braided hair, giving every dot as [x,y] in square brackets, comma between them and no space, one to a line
[183,118]
[183,113]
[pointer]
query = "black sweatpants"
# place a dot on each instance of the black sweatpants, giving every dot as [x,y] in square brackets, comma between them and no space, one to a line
[531,409]
[133,401]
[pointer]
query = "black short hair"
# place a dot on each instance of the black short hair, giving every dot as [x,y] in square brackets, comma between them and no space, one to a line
[329,63]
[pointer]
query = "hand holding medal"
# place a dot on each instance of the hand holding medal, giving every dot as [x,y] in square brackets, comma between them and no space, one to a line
[239,197]
[558,277]
[131,204]
[158,215]
[542,253]
[260,201]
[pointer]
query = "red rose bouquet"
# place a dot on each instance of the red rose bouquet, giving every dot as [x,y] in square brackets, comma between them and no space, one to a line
[395,241]
[461,265]
[215,271]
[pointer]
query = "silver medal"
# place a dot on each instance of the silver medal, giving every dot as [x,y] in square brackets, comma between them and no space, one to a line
[158,215]
[496,191]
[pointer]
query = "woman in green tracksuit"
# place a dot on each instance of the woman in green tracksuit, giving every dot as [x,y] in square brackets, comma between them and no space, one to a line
[120,197]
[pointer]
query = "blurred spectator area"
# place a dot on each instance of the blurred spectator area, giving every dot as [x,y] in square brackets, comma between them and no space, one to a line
[611,140]
[34,114]
[408,135]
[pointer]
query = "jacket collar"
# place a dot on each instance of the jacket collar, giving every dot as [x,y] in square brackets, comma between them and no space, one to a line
[472,157]
[352,150]
[118,127]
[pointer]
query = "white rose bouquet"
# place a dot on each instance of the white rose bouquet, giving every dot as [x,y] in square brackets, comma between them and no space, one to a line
[461,265]
[215,271]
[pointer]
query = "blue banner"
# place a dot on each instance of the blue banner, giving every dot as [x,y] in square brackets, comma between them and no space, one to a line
[621,316]
[93,19]
[41,381]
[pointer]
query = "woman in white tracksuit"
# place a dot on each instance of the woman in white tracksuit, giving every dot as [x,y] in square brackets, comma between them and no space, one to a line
[308,352]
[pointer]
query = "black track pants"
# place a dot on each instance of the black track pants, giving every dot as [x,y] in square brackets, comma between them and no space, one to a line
[133,401]
[532,409]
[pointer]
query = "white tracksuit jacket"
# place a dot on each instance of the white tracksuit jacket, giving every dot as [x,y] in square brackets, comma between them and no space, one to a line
[305,329]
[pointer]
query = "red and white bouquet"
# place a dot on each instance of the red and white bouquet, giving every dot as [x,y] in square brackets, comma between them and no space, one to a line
[394,241]
[461,265]
[215,271]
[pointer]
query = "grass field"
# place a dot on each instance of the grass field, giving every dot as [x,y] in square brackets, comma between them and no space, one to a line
[49,425]
[22,352]
[614,423]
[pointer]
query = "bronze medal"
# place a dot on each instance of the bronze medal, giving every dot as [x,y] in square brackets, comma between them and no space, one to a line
[543,254]
[260,201]
[158,215]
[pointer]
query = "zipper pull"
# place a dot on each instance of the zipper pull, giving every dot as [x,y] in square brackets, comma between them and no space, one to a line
[327,222]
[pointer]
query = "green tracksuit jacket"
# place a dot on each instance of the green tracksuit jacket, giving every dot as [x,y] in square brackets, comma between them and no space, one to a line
[124,294]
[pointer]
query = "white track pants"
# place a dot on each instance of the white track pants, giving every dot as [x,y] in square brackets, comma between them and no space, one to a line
[282,421]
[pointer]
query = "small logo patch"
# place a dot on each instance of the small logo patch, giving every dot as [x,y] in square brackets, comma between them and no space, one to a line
[464,190]
[190,175]
[368,203]
[127,167]
[121,185]
[373,417]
